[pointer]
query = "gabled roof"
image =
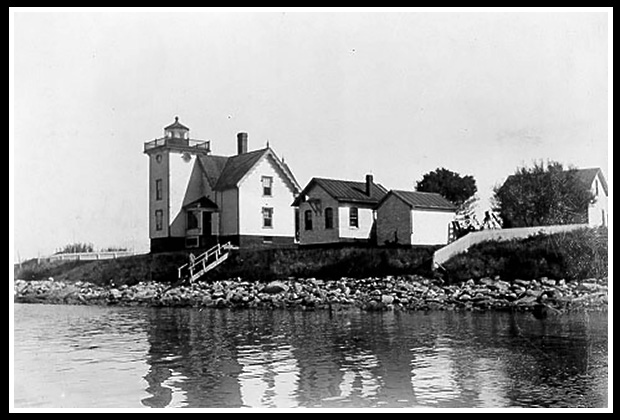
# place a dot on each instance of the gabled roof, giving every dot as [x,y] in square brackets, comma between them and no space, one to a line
[225,172]
[236,167]
[176,124]
[202,202]
[422,200]
[587,176]
[345,191]
[212,167]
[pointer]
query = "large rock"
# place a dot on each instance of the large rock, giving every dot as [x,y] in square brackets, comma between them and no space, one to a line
[275,287]
[526,301]
[589,286]
[387,299]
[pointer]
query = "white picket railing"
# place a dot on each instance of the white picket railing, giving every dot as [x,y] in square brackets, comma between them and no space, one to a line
[205,262]
[88,256]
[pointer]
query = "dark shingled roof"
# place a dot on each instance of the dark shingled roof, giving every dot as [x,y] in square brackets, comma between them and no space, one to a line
[203,202]
[346,191]
[212,167]
[224,172]
[585,175]
[236,167]
[423,200]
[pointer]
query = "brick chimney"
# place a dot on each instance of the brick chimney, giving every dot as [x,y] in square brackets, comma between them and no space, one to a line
[368,184]
[242,143]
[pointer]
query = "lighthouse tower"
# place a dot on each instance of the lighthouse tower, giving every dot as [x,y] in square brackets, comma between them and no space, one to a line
[171,159]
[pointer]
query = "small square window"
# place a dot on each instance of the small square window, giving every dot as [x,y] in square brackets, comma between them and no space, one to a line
[308,220]
[353,217]
[158,189]
[159,220]
[267,183]
[267,217]
[267,239]
[192,220]
[329,218]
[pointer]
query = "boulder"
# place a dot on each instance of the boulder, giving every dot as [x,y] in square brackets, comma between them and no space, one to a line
[114,294]
[387,299]
[523,283]
[487,281]
[217,294]
[275,287]
[589,286]
[526,301]
[547,282]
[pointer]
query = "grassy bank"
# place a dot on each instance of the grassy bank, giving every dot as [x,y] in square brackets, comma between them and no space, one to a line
[579,254]
[258,265]
[573,255]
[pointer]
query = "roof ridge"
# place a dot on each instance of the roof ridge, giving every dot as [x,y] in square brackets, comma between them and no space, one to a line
[408,196]
[339,180]
[234,169]
[419,192]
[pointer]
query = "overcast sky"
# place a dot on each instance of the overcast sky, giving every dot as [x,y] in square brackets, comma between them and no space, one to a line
[336,94]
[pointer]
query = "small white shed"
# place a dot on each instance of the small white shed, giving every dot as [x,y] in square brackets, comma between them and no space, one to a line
[414,218]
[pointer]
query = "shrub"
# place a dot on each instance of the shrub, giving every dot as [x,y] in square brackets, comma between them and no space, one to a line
[571,255]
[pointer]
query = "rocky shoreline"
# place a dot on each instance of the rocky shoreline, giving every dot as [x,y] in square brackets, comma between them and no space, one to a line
[409,292]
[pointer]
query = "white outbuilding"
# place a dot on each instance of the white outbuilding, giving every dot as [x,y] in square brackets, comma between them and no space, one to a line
[414,218]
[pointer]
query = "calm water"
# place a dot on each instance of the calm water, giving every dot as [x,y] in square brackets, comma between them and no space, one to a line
[78,356]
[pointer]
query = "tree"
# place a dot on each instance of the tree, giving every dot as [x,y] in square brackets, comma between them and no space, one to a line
[543,195]
[450,185]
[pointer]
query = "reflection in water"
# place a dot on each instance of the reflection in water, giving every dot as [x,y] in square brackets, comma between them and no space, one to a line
[169,357]
[359,366]
[290,359]
[432,373]
[269,376]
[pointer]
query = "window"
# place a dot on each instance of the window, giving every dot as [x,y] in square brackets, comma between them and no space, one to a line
[192,220]
[603,221]
[159,219]
[297,224]
[329,218]
[158,191]
[267,239]
[267,182]
[267,217]
[308,220]
[596,187]
[353,219]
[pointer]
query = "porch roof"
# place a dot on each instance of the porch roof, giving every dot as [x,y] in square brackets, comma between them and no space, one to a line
[203,202]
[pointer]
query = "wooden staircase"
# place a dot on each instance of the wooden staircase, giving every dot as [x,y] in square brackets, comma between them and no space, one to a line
[205,262]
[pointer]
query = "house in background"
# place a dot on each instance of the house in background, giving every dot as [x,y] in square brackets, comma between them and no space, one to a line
[414,218]
[597,211]
[333,210]
[593,178]
[197,199]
